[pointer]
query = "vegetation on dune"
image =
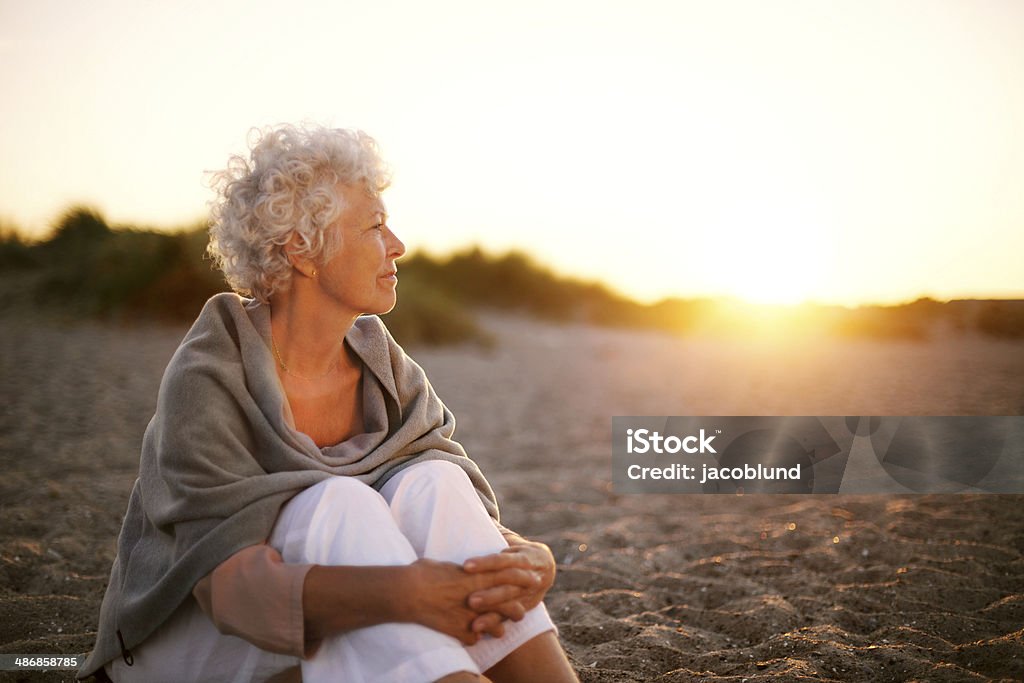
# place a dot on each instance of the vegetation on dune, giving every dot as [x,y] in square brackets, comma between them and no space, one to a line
[88,268]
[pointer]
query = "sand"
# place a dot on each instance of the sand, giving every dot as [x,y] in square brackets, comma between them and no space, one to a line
[650,588]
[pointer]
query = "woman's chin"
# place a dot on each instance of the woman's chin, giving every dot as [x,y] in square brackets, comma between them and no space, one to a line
[385,307]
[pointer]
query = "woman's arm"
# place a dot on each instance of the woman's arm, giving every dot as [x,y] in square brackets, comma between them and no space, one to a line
[256,596]
[290,608]
[427,592]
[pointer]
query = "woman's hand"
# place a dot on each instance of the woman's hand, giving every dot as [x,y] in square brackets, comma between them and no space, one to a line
[437,595]
[511,601]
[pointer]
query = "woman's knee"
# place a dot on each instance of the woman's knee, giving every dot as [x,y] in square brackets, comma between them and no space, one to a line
[428,477]
[340,520]
[337,492]
[336,495]
[438,510]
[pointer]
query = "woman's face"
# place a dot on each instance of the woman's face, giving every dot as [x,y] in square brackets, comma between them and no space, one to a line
[360,277]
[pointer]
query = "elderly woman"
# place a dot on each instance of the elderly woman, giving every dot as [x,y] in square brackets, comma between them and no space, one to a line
[301,511]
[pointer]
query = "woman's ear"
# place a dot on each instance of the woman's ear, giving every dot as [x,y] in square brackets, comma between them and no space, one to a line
[304,265]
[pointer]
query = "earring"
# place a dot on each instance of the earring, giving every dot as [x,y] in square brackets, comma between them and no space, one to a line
[313,274]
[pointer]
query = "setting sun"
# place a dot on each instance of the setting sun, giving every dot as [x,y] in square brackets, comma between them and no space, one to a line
[775,257]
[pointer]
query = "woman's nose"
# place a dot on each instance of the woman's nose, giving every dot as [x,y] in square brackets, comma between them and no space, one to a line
[397,246]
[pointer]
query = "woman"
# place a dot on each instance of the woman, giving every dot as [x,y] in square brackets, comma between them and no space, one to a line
[302,512]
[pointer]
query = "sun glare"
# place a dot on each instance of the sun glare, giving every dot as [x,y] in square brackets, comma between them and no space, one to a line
[776,253]
[775,285]
[777,273]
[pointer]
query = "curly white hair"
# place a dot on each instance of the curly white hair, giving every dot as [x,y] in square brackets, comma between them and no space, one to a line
[286,188]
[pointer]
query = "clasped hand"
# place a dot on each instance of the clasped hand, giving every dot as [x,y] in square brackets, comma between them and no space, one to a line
[476,598]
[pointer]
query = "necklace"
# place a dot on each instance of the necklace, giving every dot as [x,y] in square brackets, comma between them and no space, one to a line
[284,366]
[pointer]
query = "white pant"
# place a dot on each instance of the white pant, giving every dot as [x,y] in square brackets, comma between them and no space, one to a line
[427,510]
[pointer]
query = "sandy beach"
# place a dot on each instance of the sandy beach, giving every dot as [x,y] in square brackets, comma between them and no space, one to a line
[650,588]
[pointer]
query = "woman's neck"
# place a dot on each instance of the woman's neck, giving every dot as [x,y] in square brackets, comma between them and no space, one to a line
[307,335]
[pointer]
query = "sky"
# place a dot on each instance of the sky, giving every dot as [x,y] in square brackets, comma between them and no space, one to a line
[859,152]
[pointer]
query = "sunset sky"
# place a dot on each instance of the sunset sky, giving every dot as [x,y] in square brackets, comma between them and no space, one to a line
[837,152]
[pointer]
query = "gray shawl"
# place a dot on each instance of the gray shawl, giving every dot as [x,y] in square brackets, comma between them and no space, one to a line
[219,459]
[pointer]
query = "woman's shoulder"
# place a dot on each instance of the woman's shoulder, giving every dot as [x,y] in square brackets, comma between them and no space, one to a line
[227,304]
[216,338]
[222,361]
[226,312]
